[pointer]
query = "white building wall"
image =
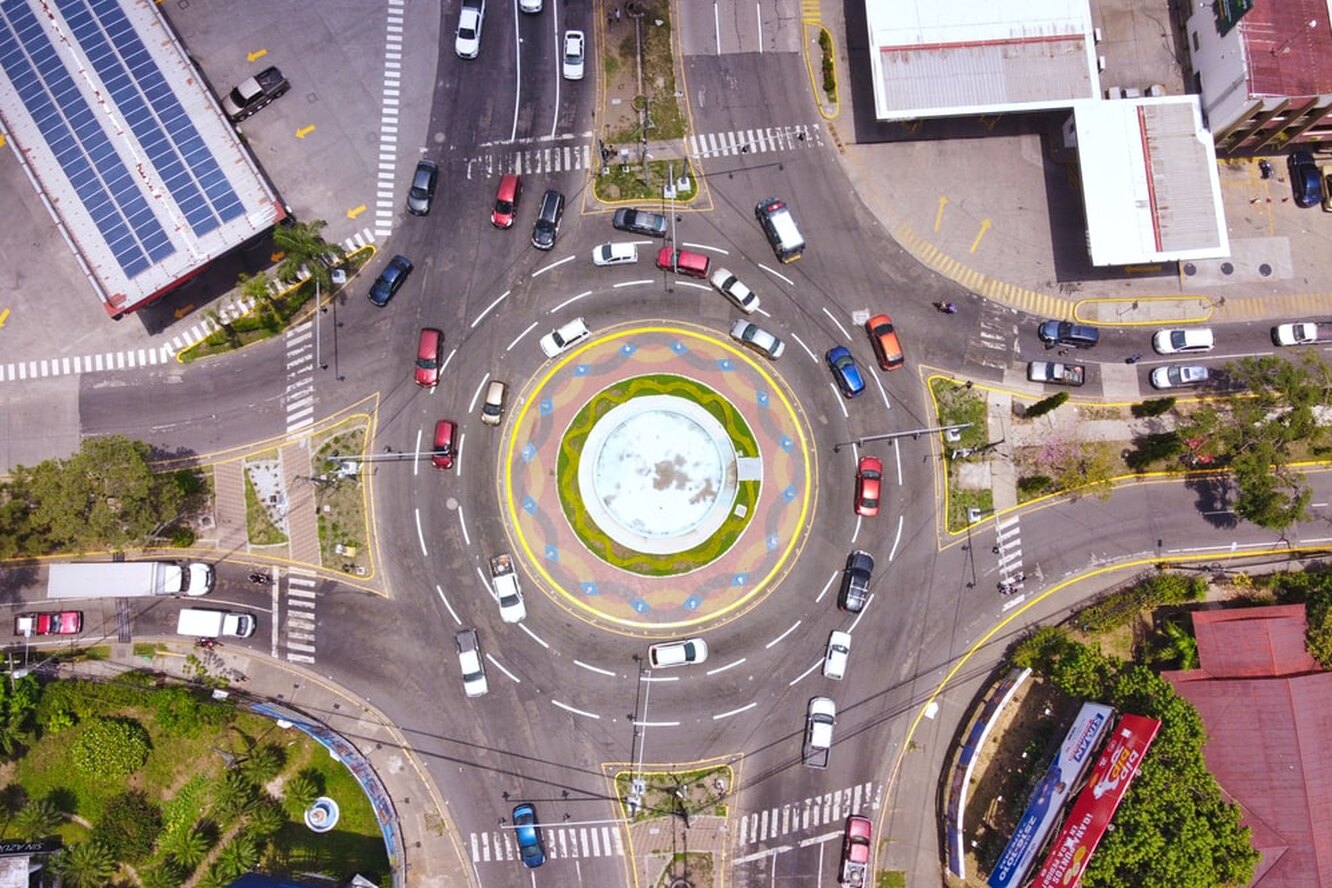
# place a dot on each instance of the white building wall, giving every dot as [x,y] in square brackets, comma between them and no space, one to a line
[1220,63]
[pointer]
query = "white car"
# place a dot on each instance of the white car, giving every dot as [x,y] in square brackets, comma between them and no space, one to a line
[467,39]
[729,286]
[573,55]
[839,649]
[753,336]
[1179,376]
[530,6]
[559,341]
[469,658]
[615,254]
[1183,339]
[678,653]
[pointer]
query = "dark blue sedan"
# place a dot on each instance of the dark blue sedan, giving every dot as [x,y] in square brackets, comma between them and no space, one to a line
[529,835]
[390,280]
[1305,179]
[845,371]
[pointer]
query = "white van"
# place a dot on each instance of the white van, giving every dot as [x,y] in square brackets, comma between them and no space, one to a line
[201,623]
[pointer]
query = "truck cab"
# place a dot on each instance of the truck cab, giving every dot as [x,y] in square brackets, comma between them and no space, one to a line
[504,586]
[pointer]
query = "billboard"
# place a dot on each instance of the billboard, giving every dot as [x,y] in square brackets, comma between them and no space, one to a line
[1096,804]
[1047,800]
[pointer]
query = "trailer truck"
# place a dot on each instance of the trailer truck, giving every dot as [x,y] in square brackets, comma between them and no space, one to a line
[128,579]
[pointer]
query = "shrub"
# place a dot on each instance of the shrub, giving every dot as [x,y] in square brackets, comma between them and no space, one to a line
[264,762]
[1120,607]
[1045,405]
[129,826]
[184,809]
[110,748]
[1031,486]
[1153,448]
[303,789]
[825,42]
[183,537]
[1154,407]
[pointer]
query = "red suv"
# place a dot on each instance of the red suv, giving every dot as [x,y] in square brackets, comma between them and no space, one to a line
[442,455]
[683,262]
[506,201]
[428,354]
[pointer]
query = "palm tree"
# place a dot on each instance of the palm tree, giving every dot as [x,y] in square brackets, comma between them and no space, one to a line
[266,819]
[234,795]
[1181,646]
[188,847]
[38,819]
[304,244]
[264,762]
[86,865]
[237,858]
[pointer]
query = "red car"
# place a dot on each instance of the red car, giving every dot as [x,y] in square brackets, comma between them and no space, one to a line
[855,850]
[869,475]
[883,338]
[429,352]
[683,262]
[506,201]
[442,454]
[61,623]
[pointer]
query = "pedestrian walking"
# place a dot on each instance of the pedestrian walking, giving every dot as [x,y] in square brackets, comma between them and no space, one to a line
[1019,577]
[1133,358]
[994,549]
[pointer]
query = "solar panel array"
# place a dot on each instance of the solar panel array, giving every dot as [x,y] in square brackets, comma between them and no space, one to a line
[109,193]
[153,112]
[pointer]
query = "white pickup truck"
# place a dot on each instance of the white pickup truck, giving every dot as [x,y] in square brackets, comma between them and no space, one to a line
[1302,333]
[1056,373]
[504,586]
[819,721]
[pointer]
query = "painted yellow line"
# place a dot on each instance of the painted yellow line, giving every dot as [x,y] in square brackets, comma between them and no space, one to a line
[938,214]
[255,55]
[984,227]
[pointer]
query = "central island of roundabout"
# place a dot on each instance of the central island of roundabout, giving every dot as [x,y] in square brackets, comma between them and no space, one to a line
[657,478]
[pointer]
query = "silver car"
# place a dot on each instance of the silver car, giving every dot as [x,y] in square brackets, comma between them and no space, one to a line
[753,336]
[469,659]
[1179,376]
[730,286]
[835,657]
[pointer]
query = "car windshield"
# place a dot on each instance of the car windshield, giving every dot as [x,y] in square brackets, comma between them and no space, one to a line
[426,363]
[883,329]
[503,207]
[1177,339]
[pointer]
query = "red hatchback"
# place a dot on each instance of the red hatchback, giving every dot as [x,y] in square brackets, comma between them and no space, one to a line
[883,338]
[442,455]
[683,262]
[429,353]
[506,201]
[869,477]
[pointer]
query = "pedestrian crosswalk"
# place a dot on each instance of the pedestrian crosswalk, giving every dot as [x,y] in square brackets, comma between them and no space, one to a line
[572,842]
[1008,546]
[755,141]
[300,357]
[808,814]
[531,161]
[299,624]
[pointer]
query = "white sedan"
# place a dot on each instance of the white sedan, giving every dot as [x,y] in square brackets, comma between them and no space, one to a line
[559,341]
[729,286]
[753,336]
[839,650]
[1183,339]
[573,55]
[615,254]
[1179,376]
[467,39]
[469,660]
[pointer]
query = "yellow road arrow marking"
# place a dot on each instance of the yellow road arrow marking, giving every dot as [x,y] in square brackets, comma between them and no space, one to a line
[985,226]
[938,214]
[304,131]
[256,55]
[183,310]
[355,211]
[4,316]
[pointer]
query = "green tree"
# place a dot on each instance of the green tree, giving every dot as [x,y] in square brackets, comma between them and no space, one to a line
[302,789]
[162,876]
[266,819]
[239,857]
[264,762]
[233,795]
[1181,648]
[1045,405]
[38,819]
[18,707]
[129,826]
[188,847]
[85,865]
[305,248]
[110,748]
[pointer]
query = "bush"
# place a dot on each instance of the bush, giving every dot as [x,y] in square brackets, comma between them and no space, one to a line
[1154,407]
[1032,486]
[825,42]
[1120,607]
[183,537]
[1154,448]
[129,826]
[111,748]
[1045,405]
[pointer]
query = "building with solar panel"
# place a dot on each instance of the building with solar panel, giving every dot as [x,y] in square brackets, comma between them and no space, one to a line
[143,175]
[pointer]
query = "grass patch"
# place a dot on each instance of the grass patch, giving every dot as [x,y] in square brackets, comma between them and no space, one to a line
[340,502]
[701,793]
[960,501]
[601,544]
[893,879]
[957,405]
[696,866]
[259,528]
[632,182]
[659,73]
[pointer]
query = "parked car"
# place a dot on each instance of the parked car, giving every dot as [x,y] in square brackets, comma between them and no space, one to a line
[856,847]
[441,454]
[58,623]
[883,339]
[390,280]
[253,93]
[1183,339]
[467,39]
[683,262]
[856,581]
[845,372]
[506,201]
[729,286]
[573,55]
[678,653]
[837,654]
[547,224]
[1179,376]
[753,336]
[640,222]
[429,355]
[1305,180]
[422,191]
[528,833]
[468,644]
[492,408]
[1054,333]
[869,476]
[560,340]
[615,254]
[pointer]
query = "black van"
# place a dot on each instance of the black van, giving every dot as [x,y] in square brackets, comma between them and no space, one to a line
[780,229]
[548,220]
[1054,333]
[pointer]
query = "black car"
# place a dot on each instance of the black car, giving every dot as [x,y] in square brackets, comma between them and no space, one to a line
[547,224]
[390,280]
[640,222]
[1304,179]
[254,93]
[1054,333]
[423,187]
[856,582]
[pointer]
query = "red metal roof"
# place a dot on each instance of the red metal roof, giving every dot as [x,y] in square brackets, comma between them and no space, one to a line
[1286,54]
[1269,735]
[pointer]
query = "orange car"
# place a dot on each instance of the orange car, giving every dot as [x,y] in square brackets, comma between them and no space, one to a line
[884,340]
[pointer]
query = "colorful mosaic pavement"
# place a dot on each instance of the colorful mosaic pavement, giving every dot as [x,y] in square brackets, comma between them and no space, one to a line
[586,585]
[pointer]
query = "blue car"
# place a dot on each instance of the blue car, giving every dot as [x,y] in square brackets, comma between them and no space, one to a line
[529,836]
[1305,180]
[390,280]
[845,371]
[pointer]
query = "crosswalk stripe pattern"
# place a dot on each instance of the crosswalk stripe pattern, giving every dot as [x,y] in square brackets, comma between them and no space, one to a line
[809,10]
[136,358]
[755,141]
[531,161]
[1008,541]
[808,814]
[386,203]
[299,397]
[300,619]
[571,842]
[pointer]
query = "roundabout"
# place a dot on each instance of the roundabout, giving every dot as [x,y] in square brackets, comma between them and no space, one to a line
[658,478]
